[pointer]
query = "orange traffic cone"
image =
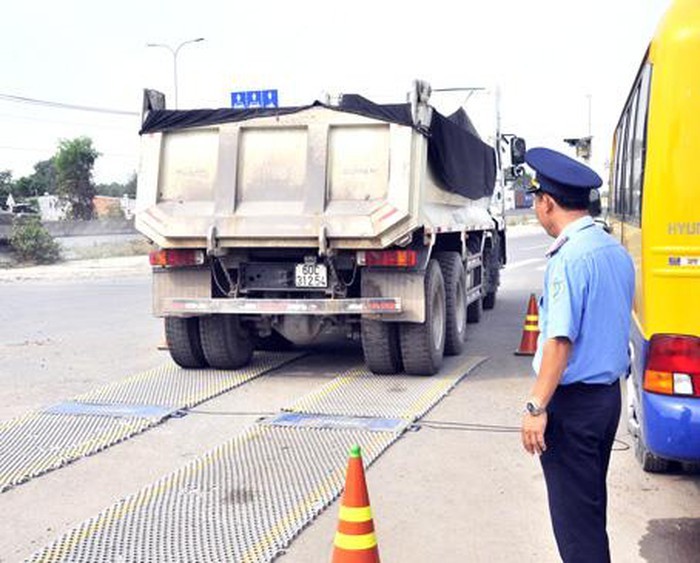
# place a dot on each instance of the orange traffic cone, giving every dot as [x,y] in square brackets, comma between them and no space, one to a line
[355,541]
[531,330]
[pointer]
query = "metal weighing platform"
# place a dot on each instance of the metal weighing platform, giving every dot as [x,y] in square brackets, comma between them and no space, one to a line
[246,500]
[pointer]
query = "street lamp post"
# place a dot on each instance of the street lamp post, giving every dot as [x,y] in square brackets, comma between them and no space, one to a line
[174,53]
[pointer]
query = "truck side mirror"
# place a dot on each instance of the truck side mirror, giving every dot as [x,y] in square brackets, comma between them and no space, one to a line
[517,151]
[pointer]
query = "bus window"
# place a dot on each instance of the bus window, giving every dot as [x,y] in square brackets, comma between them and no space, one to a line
[628,156]
[615,175]
[638,155]
[620,175]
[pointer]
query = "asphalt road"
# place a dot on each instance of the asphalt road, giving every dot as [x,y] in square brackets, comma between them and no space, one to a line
[468,493]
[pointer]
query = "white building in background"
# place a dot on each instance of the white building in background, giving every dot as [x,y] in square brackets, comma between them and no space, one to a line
[128,206]
[113,207]
[51,208]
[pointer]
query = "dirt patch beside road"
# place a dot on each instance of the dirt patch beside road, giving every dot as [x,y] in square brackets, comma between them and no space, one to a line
[81,269]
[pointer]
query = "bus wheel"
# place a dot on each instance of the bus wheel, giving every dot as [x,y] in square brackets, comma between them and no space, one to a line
[423,344]
[455,301]
[225,343]
[380,346]
[691,467]
[649,462]
[184,343]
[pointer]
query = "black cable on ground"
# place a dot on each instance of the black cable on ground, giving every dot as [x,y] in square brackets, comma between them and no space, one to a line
[622,446]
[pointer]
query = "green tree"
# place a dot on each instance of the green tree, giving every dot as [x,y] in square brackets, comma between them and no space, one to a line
[6,186]
[46,177]
[42,181]
[112,189]
[31,241]
[130,186]
[74,161]
[116,189]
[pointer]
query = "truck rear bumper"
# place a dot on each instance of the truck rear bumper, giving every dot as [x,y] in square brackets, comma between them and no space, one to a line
[241,306]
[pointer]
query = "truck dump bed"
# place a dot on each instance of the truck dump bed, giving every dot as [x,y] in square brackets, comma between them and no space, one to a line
[358,175]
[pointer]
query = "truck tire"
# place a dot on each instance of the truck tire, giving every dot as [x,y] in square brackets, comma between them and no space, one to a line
[380,346]
[423,344]
[489,301]
[492,274]
[225,343]
[184,343]
[455,301]
[474,310]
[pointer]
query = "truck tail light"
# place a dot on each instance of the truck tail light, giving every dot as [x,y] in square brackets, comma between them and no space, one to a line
[176,257]
[673,366]
[399,258]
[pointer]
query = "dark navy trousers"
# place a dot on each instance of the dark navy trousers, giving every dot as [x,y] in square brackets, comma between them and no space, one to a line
[581,423]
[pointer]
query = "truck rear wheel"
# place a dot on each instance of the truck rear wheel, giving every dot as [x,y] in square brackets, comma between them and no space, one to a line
[225,343]
[475,308]
[489,300]
[492,274]
[423,344]
[455,302]
[184,343]
[380,346]
[474,311]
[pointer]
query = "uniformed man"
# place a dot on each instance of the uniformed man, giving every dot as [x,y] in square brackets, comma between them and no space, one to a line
[582,352]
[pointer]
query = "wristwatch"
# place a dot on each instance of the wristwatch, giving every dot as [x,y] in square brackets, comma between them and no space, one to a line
[533,408]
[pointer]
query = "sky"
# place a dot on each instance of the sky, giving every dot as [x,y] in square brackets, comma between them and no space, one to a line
[550,59]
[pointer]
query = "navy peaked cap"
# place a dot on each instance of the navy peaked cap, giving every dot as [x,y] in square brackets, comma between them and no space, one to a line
[561,175]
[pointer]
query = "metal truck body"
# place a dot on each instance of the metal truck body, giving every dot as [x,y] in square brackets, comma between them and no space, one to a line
[275,226]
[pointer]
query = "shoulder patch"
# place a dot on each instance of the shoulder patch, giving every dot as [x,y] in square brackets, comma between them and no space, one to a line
[557,288]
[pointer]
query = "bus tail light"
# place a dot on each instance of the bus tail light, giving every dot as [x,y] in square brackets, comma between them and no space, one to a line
[399,258]
[673,366]
[176,257]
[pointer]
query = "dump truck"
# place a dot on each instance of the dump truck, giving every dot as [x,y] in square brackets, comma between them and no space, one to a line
[273,226]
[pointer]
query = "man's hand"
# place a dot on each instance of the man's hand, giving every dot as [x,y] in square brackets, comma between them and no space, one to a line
[533,433]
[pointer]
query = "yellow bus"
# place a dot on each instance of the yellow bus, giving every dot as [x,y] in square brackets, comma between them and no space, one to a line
[655,212]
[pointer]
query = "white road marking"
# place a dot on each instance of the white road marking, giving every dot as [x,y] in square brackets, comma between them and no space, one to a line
[538,247]
[523,263]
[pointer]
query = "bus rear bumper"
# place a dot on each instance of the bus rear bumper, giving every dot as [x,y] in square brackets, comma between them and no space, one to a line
[671,426]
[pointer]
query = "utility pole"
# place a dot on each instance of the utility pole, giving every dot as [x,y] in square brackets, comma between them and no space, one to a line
[499,164]
[174,53]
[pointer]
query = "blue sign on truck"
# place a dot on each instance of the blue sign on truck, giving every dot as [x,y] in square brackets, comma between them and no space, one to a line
[254,99]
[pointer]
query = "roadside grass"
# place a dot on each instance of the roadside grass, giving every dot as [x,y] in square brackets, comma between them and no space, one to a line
[108,250]
[96,251]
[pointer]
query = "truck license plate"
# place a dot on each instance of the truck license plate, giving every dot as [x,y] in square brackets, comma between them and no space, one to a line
[311,275]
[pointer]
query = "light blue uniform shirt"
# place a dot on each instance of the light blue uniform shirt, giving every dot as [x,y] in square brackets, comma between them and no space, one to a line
[587,298]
